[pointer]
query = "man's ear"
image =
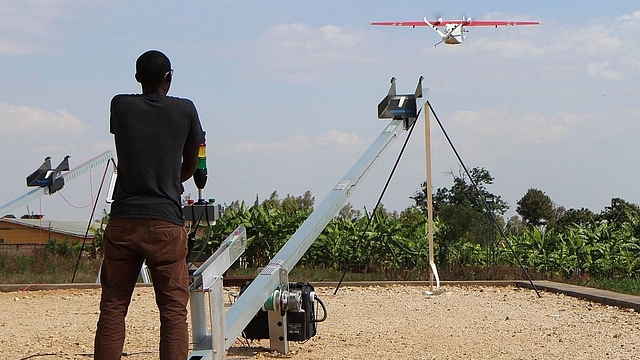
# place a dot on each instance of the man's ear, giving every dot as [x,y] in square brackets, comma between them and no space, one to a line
[138,79]
[167,84]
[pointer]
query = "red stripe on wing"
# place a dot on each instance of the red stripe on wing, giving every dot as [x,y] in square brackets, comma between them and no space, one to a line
[399,23]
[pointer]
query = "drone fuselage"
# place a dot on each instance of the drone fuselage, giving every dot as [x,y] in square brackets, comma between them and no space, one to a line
[454,34]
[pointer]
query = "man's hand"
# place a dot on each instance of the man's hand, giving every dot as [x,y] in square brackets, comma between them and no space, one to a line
[189,161]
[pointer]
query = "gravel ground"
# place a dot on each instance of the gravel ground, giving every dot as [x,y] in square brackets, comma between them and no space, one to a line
[399,322]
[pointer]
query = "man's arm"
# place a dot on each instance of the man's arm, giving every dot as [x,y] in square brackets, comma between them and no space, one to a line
[189,161]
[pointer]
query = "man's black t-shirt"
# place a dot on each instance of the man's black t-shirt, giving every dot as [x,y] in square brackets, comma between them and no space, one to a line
[150,135]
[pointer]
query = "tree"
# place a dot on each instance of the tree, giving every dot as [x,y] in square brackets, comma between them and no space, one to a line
[574,217]
[620,211]
[461,224]
[515,226]
[97,244]
[348,212]
[462,210]
[463,192]
[535,208]
[292,203]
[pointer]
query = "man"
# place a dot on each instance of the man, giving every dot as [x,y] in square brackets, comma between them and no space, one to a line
[157,138]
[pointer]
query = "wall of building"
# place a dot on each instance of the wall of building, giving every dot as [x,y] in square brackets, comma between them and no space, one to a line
[18,234]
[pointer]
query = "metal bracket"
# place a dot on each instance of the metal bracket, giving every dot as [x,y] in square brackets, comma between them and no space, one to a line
[400,107]
[207,280]
[278,317]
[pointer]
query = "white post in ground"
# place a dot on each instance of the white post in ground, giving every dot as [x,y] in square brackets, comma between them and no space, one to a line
[429,190]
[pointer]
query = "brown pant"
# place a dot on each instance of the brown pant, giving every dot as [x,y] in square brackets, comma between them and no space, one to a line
[127,243]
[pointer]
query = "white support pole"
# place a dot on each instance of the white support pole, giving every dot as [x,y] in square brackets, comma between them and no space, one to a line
[429,190]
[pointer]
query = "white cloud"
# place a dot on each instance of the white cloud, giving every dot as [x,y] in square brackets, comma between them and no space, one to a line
[630,20]
[299,52]
[505,126]
[593,41]
[602,49]
[610,48]
[18,121]
[301,143]
[296,142]
[337,137]
[602,69]
[325,44]
[511,47]
[13,47]
[32,26]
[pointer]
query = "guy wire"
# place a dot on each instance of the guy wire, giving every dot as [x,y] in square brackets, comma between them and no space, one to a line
[86,234]
[486,206]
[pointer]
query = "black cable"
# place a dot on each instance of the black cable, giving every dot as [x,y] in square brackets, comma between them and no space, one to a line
[93,211]
[484,202]
[193,234]
[370,218]
[324,310]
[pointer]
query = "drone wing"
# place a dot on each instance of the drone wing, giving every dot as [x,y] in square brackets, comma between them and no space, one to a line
[399,23]
[463,22]
[497,23]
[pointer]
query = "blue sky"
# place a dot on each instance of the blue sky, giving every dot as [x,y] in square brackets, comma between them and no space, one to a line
[287,92]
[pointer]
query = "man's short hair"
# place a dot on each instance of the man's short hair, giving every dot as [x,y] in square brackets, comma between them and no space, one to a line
[152,66]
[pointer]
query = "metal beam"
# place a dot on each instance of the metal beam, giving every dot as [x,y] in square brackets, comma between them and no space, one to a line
[88,165]
[246,306]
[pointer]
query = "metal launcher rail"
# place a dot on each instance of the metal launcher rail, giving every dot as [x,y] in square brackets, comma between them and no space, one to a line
[48,180]
[271,287]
